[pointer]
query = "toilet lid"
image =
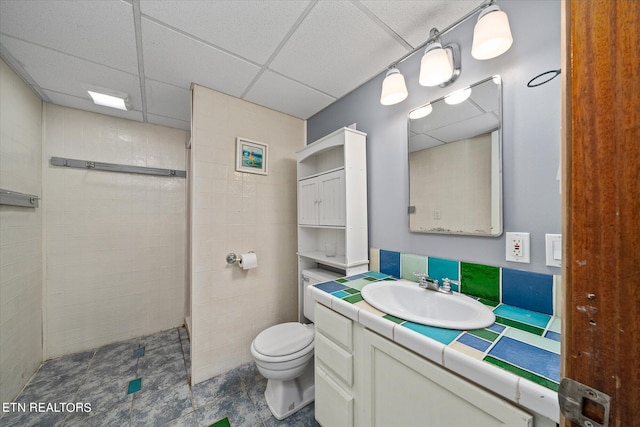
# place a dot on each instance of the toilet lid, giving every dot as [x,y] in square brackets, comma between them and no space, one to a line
[283,339]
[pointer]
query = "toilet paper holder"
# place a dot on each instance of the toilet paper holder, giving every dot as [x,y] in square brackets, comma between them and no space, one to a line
[233,258]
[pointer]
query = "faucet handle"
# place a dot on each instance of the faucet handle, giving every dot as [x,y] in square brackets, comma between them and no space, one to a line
[446,285]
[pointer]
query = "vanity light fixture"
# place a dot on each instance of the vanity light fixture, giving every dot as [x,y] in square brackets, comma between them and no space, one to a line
[110,98]
[441,65]
[394,88]
[492,34]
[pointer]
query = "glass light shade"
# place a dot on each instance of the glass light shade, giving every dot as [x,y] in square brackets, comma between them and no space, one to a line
[436,66]
[458,96]
[492,34]
[420,112]
[394,88]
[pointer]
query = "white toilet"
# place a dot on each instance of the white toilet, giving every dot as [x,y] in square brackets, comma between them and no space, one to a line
[284,355]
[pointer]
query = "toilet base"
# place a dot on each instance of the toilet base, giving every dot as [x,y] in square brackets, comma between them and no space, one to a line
[287,397]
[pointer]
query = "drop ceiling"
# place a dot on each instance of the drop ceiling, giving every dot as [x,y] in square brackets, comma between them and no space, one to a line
[292,56]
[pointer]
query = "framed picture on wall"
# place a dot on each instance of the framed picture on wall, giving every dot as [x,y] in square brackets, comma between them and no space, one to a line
[252,156]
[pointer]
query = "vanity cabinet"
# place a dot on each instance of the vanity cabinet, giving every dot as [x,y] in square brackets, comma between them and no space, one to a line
[334,368]
[366,380]
[405,389]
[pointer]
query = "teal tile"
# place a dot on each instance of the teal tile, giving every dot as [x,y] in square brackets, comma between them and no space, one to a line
[445,336]
[411,264]
[134,386]
[480,280]
[341,294]
[529,317]
[440,268]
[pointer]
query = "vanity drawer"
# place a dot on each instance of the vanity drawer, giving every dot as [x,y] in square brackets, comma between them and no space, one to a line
[334,406]
[335,358]
[334,326]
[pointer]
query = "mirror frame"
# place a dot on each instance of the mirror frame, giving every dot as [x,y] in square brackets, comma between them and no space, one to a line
[496,172]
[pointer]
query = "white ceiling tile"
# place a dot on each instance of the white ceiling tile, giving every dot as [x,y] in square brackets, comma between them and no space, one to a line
[300,101]
[63,73]
[100,31]
[413,19]
[167,100]
[86,105]
[336,49]
[168,122]
[174,58]
[251,29]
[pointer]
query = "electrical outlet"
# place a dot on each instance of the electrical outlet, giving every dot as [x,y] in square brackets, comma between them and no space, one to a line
[518,247]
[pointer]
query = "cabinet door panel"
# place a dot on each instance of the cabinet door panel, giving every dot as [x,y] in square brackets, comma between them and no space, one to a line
[407,390]
[334,406]
[332,198]
[308,201]
[338,360]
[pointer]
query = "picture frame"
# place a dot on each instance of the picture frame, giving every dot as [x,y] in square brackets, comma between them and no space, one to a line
[252,156]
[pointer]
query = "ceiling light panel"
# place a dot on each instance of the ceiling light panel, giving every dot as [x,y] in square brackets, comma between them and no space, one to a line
[352,50]
[100,31]
[63,73]
[192,62]
[252,29]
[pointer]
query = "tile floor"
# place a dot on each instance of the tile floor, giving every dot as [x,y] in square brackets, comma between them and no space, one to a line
[103,377]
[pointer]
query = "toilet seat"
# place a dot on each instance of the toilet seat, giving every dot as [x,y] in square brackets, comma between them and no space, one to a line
[283,342]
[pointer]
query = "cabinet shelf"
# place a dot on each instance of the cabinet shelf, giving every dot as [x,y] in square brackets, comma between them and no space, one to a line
[322,172]
[337,261]
[327,227]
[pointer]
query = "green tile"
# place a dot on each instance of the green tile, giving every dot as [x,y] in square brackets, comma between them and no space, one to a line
[519,325]
[134,386]
[393,318]
[486,334]
[352,291]
[522,373]
[480,280]
[489,302]
[410,264]
[354,298]
[371,279]
[341,280]
[222,423]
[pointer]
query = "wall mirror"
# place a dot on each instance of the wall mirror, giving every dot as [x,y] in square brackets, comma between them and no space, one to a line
[455,162]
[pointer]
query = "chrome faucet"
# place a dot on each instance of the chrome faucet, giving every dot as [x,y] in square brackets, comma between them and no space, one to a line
[425,282]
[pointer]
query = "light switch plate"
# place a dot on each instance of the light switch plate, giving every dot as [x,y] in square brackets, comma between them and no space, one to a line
[553,245]
[517,249]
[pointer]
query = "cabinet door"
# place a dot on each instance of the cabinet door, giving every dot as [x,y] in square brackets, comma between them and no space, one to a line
[334,406]
[331,192]
[407,390]
[308,201]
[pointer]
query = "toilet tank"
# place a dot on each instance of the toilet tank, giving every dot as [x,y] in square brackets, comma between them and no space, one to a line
[311,277]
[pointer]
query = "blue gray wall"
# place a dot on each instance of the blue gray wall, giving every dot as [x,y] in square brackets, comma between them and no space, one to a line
[531,141]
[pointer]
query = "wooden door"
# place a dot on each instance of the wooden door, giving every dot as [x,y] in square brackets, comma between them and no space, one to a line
[601,202]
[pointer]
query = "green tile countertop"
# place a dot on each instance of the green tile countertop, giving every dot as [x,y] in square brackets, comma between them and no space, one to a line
[518,357]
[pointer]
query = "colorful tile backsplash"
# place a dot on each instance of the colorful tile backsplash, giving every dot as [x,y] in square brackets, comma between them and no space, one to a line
[523,342]
[523,289]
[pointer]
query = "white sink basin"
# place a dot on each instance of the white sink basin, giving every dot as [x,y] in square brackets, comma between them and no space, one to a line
[408,301]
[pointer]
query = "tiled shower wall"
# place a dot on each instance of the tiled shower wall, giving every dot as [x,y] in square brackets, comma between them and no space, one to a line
[239,212]
[114,242]
[20,235]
